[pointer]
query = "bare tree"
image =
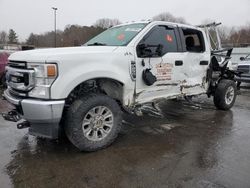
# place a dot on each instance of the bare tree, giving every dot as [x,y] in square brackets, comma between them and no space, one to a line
[73,35]
[166,16]
[106,23]
[224,33]
[240,36]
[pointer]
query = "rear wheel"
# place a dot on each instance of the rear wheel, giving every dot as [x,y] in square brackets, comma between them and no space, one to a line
[93,122]
[225,95]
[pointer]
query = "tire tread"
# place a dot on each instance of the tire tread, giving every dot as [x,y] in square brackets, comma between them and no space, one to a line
[73,122]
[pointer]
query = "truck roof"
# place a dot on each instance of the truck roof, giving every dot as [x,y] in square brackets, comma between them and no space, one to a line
[160,22]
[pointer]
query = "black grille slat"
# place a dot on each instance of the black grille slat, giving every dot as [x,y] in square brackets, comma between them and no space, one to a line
[244,68]
[18,64]
[19,78]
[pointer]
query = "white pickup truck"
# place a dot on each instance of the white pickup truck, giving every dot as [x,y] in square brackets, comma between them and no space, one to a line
[84,90]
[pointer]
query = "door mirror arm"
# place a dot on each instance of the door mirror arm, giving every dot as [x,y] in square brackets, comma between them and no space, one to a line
[159,50]
[242,58]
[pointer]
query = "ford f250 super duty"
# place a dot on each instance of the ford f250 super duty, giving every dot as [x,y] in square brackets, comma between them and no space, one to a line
[84,90]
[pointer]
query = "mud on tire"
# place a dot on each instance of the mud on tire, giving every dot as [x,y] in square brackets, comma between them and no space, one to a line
[225,94]
[93,122]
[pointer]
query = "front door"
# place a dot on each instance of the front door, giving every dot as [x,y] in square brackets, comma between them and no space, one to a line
[166,65]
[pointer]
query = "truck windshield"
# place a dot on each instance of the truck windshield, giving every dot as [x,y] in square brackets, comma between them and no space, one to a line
[117,36]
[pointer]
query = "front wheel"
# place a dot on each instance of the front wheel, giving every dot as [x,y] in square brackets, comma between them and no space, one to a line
[93,122]
[225,95]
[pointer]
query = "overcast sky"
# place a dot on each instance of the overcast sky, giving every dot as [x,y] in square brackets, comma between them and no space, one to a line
[26,16]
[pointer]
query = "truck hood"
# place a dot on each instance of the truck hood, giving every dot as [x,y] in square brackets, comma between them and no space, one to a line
[55,54]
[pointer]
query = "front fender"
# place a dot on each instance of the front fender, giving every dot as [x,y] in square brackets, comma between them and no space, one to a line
[69,79]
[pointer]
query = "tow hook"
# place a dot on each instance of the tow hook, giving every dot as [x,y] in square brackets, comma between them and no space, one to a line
[23,125]
[12,116]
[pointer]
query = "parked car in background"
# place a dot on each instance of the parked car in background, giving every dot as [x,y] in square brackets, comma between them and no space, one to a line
[244,68]
[4,54]
[237,54]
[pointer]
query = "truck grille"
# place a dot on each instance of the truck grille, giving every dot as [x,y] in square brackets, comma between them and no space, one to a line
[244,68]
[18,64]
[19,79]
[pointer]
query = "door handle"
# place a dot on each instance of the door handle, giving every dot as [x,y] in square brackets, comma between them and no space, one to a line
[204,63]
[178,63]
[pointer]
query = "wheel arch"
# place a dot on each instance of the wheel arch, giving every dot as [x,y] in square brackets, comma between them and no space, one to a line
[108,86]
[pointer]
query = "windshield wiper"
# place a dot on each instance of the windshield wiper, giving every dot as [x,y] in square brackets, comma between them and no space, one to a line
[97,44]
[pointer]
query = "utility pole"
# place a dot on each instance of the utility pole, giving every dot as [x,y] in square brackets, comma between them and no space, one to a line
[55,9]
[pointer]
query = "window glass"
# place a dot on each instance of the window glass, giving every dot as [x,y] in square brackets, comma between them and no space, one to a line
[194,40]
[164,36]
[117,36]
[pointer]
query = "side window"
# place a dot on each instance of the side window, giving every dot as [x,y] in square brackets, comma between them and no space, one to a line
[194,40]
[161,35]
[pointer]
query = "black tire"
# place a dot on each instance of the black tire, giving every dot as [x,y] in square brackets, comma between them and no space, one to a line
[77,113]
[222,92]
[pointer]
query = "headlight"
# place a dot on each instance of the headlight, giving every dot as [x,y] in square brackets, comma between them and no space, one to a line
[45,75]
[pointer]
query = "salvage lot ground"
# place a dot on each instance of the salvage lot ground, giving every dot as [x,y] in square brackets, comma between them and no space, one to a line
[189,147]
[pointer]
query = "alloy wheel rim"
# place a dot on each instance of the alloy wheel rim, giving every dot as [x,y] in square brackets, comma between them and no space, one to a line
[97,123]
[229,97]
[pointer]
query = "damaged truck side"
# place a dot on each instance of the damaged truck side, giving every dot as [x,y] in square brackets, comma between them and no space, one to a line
[84,90]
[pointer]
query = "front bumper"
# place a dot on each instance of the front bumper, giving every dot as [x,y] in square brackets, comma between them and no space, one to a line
[44,116]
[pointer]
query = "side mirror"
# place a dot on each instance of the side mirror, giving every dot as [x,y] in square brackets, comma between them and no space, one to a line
[142,46]
[145,50]
[242,58]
